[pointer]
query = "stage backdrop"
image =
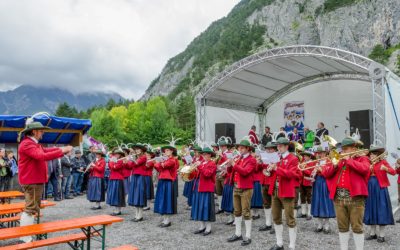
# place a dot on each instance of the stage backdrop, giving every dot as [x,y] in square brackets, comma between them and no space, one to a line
[293,116]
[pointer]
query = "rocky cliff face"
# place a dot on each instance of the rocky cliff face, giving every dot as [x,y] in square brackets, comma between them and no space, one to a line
[353,25]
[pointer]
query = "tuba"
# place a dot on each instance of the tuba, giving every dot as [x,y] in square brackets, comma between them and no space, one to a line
[186,171]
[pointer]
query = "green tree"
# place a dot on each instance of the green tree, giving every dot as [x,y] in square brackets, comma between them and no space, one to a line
[64,110]
[105,128]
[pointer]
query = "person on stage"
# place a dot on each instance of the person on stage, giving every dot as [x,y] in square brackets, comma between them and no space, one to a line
[378,208]
[348,182]
[166,197]
[243,179]
[32,157]
[203,207]
[115,189]
[285,176]
[96,187]
[322,207]
[137,196]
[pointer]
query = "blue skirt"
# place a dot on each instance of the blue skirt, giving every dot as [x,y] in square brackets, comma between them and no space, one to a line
[116,193]
[166,199]
[321,205]
[176,189]
[203,207]
[96,190]
[149,187]
[137,191]
[126,184]
[257,198]
[227,198]
[378,208]
[188,191]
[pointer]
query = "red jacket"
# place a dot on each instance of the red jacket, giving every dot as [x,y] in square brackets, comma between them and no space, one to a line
[266,179]
[116,170]
[138,166]
[149,168]
[175,173]
[253,137]
[32,161]
[288,174]
[98,169]
[166,169]
[381,175]
[242,172]
[359,175]
[306,182]
[258,174]
[207,172]
[398,172]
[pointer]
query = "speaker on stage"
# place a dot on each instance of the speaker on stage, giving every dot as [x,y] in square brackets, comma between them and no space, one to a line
[225,129]
[363,120]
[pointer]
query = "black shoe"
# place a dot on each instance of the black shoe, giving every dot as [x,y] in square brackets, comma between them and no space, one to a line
[381,239]
[276,247]
[75,195]
[219,211]
[272,231]
[206,233]
[308,217]
[229,223]
[68,197]
[246,242]
[301,216]
[372,237]
[398,221]
[146,208]
[57,199]
[166,225]
[137,220]
[318,230]
[96,208]
[200,231]
[255,217]
[115,214]
[234,238]
[265,228]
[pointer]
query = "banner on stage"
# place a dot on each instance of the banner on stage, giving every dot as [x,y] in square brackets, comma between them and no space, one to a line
[294,116]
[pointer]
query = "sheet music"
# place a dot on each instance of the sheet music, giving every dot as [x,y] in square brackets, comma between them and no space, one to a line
[188,159]
[229,155]
[269,158]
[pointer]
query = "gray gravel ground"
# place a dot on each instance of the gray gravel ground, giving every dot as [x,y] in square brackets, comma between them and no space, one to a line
[146,234]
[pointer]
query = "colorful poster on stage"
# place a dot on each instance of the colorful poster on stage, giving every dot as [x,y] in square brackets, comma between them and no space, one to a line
[294,116]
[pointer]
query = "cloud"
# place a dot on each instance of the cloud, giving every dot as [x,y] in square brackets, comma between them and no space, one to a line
[108,45]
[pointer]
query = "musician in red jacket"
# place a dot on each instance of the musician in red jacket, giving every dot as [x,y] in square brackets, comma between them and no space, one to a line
[166,196]
[253,136]
[116,189]
[137,187]
[348,182]
[203,207]
[32,169]
[285,176]
[243,190]
[397,168]
[96,187]
[150,154]
[306,185]
[226,172]
[267,199]
[378,207]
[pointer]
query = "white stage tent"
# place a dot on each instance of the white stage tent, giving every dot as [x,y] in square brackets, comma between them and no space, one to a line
[331,83]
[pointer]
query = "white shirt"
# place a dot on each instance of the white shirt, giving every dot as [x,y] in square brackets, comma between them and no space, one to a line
[33,139]
[245,155]
[284,155]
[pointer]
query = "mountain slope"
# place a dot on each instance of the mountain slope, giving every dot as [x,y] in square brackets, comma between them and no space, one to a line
[26,100]
[255,25]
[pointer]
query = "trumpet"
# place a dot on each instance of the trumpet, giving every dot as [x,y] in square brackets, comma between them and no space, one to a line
[222,169]
[267,171]
[379,158]
[335,157]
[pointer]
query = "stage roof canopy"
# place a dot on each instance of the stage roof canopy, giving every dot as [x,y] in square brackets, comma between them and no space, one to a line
[63,130]
[259,80]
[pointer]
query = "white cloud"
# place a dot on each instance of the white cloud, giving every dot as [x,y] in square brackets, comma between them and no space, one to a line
[82,45]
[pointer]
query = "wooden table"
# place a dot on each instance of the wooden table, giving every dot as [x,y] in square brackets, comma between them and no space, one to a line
[10,194]
[86,224]
[12,209]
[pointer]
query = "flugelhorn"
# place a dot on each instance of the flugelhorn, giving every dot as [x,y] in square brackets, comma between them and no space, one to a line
[379,158]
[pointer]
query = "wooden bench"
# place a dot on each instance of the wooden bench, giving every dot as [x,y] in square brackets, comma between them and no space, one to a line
[86,224]
[10,194]
[12,209]
[48,242]
[125,247]
[10,221]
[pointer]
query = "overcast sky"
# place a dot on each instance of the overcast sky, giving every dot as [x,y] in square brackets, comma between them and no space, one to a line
[83,45]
